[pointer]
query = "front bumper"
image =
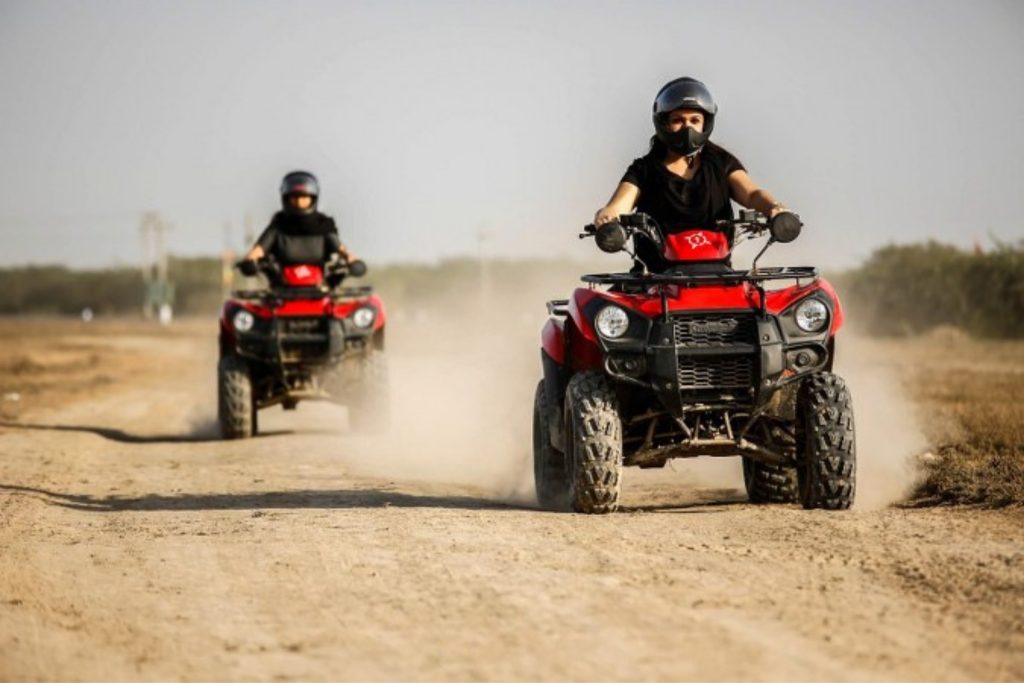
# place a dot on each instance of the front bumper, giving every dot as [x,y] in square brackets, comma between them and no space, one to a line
[306,340]
[698,360]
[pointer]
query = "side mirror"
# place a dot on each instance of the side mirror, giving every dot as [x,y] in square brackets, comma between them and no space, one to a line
[357,268]
[610,238]
[785,227]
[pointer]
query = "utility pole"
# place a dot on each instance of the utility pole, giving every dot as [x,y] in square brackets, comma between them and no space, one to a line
[159,292]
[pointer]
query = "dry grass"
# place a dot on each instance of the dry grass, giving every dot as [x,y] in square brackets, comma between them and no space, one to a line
[971,394]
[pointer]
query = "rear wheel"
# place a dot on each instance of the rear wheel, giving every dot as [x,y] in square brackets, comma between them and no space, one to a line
[769,483]
[369,405]
[236,410]
[594,444]
[548,464]
[826,451]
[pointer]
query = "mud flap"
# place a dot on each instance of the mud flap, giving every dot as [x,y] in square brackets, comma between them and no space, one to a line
[555,381]
[772,358]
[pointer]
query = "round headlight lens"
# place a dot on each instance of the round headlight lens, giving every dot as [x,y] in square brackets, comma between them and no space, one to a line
[811,315]
[612,322]
[363,317]
[243,321]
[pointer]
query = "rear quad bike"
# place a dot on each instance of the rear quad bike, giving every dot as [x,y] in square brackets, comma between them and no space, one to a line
[694,359]
[304,337]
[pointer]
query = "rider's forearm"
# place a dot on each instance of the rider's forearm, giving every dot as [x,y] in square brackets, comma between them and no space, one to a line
[256,253]
[623,201]
[764,201]
[346,253]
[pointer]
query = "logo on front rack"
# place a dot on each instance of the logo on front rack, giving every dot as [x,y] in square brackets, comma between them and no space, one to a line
[726,326]
[698,240]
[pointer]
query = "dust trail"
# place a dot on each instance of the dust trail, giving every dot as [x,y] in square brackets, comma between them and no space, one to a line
[889,435]
[462,401]
[464,363]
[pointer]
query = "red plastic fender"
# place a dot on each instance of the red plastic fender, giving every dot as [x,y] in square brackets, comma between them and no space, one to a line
[346,308]
[552,340]
[781,299]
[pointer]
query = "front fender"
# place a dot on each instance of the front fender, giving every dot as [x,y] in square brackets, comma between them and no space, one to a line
[552,340]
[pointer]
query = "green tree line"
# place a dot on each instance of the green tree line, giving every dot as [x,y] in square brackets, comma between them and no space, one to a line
[899,290]
[908,289]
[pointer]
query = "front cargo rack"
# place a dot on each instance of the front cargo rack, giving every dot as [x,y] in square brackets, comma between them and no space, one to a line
[693,279]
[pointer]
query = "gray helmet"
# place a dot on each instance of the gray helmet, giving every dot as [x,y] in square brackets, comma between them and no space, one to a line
[299,182]
[684,93]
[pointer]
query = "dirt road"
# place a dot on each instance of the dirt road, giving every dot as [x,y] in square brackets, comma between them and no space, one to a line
[133,545]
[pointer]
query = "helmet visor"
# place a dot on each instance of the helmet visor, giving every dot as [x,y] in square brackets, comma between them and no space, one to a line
[684,93]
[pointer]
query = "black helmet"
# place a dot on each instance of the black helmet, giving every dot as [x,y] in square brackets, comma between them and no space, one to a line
[299,182]
[684,93]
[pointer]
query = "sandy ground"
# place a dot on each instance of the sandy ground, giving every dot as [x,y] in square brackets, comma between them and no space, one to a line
[134,545]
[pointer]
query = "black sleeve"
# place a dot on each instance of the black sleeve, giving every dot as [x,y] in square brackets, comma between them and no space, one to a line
[730,163]
[636,174]
[332,241]
[267,238]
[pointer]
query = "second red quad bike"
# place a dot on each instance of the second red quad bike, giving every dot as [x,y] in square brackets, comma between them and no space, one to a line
[694,359]
[304,338]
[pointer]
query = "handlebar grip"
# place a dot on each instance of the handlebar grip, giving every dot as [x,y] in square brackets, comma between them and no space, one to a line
[247,267]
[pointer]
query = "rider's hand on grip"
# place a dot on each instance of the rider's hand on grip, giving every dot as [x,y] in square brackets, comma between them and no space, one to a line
[247,267]
[605,215]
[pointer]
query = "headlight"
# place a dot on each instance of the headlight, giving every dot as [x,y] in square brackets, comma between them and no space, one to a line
[612,322]
[363,317]
[811,315]
[243,321]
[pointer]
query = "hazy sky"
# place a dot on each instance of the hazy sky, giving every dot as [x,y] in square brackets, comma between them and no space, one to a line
[430,121]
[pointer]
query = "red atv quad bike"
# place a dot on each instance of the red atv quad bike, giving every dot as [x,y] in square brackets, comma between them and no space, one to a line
[694,359]
[305,337]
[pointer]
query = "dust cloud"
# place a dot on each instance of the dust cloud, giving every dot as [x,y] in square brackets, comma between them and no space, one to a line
[462,402]
[889,434]
[463,370]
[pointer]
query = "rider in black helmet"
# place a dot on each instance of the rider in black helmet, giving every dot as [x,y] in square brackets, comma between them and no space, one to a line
[298,233]
[686,181]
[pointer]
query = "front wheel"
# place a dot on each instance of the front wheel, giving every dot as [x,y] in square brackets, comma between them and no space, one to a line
[236,410]
[826,449]
[594,444]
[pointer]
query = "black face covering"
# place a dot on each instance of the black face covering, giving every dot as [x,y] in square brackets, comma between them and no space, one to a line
[686,141]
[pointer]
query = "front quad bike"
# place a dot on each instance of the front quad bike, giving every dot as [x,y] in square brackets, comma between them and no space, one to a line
[694,359]
[305,337]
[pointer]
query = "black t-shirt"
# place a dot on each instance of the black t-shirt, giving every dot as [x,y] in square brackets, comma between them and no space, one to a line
[294,239]
[678,204]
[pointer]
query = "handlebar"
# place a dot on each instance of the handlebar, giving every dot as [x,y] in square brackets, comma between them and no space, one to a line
[784,227]
[334,271]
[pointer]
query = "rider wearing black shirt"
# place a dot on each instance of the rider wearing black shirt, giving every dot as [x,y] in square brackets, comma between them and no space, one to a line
[677,203]
[299,233]
[685,182]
